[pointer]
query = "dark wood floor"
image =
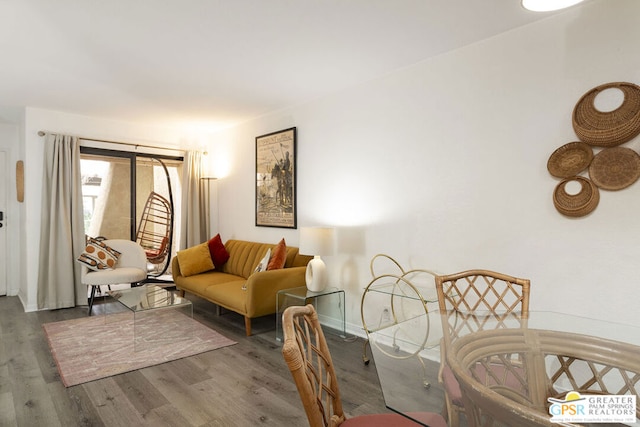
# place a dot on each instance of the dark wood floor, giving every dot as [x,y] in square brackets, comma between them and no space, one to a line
[247,384]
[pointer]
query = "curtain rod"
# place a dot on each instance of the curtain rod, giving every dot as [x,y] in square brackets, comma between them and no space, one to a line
[43,133]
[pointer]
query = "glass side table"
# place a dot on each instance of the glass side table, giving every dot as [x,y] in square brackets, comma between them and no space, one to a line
[329,303]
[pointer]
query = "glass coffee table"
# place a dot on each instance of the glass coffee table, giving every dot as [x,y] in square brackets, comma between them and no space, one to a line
[149,305]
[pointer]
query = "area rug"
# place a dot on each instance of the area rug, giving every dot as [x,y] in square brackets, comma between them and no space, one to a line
[91,348]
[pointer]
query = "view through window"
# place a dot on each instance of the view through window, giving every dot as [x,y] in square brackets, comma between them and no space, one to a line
[133,196]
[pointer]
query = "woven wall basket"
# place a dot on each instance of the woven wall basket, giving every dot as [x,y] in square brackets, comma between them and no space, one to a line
[576,205]
[570,159]
[615,168]
[611,128]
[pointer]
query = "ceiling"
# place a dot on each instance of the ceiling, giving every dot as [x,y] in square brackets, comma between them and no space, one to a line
[214,63]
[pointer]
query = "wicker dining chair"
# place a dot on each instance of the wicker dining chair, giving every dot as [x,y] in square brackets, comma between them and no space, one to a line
[468,292]
[553,362]
[307,355]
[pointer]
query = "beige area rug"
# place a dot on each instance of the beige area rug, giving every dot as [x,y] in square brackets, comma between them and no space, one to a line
[91,348]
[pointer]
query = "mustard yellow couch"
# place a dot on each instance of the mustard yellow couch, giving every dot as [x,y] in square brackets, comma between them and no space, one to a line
[237,288]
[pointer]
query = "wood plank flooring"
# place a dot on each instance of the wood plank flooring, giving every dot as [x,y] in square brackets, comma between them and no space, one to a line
[247,384]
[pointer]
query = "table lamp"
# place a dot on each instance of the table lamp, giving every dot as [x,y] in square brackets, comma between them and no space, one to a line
[316,241]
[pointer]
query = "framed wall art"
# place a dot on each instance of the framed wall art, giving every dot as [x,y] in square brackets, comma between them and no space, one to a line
[276,179]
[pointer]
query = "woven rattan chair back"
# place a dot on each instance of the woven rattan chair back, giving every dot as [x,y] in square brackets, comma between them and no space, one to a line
[307,355]
[155,228]
[559,361]
[497,295]
[482,290]
[306,352]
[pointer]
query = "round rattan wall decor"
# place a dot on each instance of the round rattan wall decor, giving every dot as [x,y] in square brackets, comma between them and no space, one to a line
[615,168]
[570,159]
[576,205]
[610,128]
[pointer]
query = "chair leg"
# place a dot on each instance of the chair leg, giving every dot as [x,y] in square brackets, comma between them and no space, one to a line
[93,294]
[453,412]
[365,358]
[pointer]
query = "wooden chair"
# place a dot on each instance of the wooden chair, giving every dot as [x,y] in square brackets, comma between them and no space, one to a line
[468,292]
[307,355]
[547,360]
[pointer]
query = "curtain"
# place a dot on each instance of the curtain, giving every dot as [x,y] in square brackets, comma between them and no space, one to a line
[62,227]
[193,228]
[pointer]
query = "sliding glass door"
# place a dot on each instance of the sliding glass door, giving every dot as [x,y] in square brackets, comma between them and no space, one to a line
[133,196]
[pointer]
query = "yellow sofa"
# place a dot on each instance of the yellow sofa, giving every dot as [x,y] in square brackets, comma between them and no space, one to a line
[236,287]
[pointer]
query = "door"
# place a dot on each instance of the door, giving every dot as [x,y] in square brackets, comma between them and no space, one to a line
[4,179]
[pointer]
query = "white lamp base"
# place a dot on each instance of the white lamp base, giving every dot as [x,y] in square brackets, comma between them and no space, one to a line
[316,275]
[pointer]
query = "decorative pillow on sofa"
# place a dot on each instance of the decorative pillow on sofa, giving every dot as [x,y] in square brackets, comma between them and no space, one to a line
[98,256]
[264,262]
[219,254]
[195,260]
[278,256]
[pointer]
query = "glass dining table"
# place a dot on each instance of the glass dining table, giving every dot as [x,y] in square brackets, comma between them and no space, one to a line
[549,365]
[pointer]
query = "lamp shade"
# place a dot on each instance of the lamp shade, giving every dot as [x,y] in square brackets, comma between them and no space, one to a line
[316,241]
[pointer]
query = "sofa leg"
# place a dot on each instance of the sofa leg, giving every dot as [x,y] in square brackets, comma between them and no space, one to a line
[247,325]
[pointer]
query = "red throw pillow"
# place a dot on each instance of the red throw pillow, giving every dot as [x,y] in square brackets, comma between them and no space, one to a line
[219,254]
[278,256]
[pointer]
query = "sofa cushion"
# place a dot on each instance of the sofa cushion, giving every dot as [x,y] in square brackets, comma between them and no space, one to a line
[195,260]
[244,256]
[297,260]
[197,283]
[219,254]
[229,295]
[278,256]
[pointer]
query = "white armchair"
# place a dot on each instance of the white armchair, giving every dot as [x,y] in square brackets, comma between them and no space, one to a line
[130,268]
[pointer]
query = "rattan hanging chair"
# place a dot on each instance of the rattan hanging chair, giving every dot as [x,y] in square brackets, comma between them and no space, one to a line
[155,230]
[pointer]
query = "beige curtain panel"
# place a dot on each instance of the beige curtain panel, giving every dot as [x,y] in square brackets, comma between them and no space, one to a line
[62,228]
[193,228]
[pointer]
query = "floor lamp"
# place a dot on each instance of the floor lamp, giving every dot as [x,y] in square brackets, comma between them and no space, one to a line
[207,204]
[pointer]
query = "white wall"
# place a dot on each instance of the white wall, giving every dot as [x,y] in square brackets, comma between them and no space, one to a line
[443,166]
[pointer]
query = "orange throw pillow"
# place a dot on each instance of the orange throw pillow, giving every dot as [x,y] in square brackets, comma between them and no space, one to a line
[278,256]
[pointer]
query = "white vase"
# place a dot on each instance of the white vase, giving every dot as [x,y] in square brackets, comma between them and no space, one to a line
[316,275]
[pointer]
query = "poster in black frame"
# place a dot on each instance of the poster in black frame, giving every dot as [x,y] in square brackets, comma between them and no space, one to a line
[276,179]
